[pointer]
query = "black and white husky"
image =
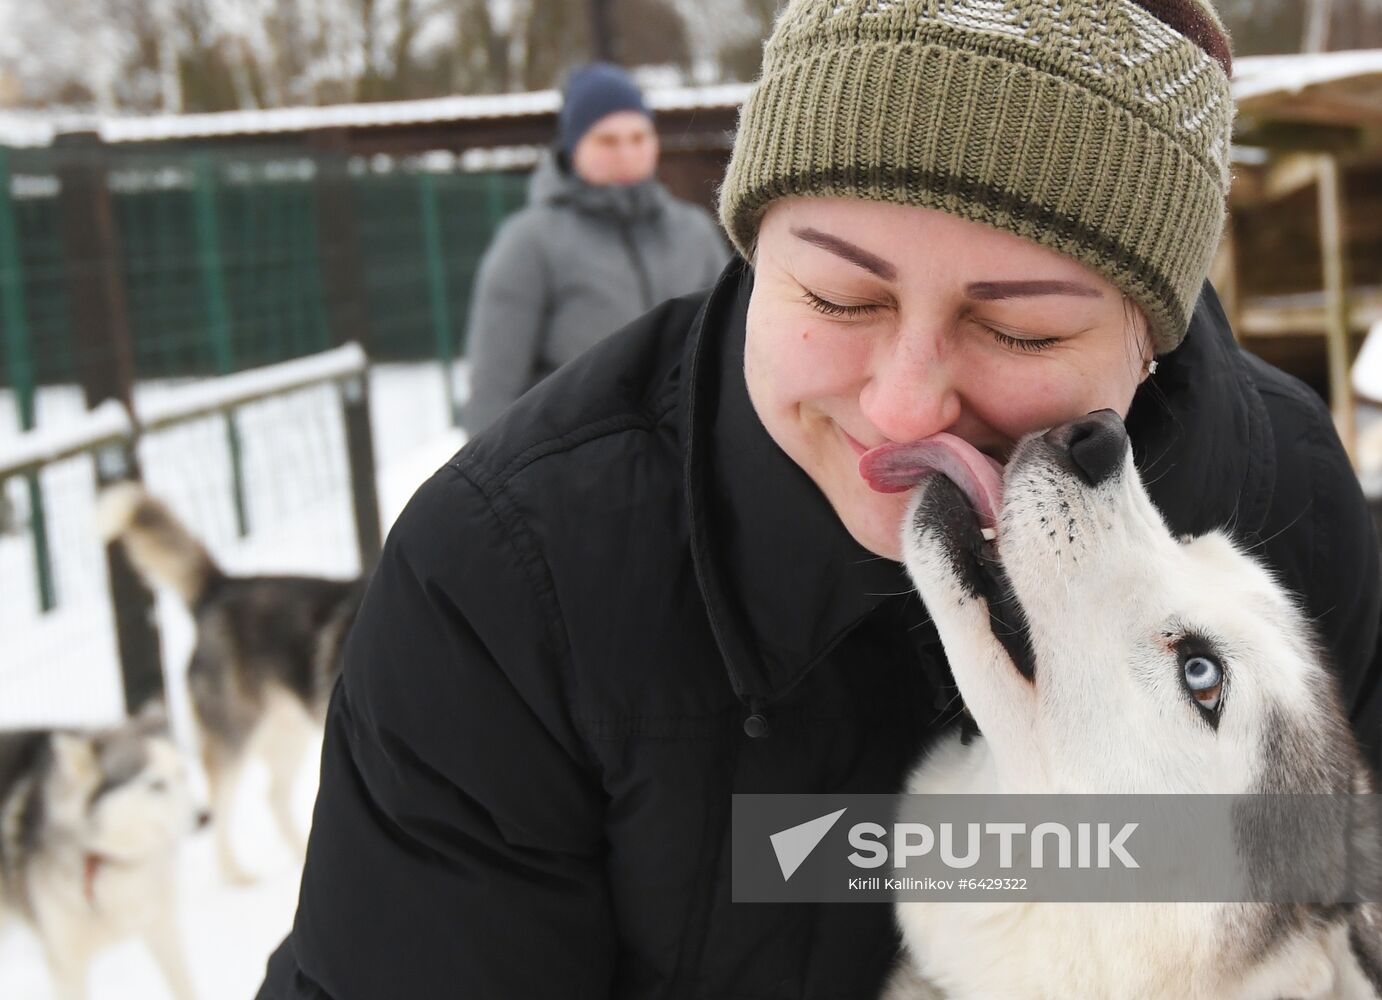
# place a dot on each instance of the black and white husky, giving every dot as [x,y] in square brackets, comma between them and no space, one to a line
[1098,653]
[90,826]
[268,651]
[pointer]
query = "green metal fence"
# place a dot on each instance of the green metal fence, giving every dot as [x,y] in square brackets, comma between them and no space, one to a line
[221,257]
[418,235]
[119,266]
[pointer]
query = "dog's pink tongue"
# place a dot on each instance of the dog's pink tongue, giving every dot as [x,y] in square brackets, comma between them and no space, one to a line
[893,468]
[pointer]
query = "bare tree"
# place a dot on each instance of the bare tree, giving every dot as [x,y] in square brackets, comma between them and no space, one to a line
[1317,16]
[651,33]
[601,35]
[728,35]
[556,37]
[211,55]
[1357,24]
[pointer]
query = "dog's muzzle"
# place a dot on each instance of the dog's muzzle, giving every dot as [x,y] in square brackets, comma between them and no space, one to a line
[945,512]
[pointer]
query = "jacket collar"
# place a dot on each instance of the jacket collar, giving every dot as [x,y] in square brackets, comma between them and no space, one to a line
[553,184]
[782,579]
[1201,436]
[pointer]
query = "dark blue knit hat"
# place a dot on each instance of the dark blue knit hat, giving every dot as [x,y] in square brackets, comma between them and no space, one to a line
[593,91]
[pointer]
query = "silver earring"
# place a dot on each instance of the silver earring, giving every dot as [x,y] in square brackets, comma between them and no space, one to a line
[1151,367]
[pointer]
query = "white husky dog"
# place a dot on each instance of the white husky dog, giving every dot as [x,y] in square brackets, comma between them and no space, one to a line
[1126,661]
[90,825]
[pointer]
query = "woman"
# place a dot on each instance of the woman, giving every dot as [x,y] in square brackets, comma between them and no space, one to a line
[659,581]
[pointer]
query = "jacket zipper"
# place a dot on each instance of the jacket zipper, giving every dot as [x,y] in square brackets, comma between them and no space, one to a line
[645,286]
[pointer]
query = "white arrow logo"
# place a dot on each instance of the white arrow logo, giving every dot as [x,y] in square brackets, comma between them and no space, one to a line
[796,843]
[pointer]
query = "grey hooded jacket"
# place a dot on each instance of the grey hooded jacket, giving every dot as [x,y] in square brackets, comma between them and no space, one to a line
[574,266]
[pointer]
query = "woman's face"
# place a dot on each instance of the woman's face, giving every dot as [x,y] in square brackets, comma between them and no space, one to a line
[872,323]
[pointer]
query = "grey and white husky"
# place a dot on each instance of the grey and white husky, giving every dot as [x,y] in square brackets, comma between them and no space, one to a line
[268,650]
[1129,661]
[90,826]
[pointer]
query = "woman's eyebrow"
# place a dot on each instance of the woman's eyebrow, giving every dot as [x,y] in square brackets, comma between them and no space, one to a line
[990,290]
[843,248]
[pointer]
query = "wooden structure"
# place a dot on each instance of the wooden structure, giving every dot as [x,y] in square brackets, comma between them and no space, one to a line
[695,126]
[1301,261]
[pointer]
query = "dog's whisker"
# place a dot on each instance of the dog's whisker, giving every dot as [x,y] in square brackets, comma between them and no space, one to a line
[1284,528]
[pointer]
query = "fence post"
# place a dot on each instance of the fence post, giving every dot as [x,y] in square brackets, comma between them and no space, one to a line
[211,265]
[1333,212]
[436,287]
[343,275]
[20,357]
[105,367]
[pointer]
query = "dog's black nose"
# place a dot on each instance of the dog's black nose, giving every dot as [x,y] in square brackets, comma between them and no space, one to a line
[1096,444]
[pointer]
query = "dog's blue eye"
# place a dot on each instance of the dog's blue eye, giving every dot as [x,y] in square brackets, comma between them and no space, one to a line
[1205,678]
[1201,672]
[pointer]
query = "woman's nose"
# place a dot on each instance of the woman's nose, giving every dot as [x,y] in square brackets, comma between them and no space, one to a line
[911,392]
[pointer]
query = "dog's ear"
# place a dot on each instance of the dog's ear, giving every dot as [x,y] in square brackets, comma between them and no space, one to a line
[152,718]
[74,758]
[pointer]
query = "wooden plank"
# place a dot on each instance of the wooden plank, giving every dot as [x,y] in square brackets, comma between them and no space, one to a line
[343,275]
[1335,252]
[1308,315]
[1286,134]
[1288,175]
[1336,108]
[1223,275]
[105,367]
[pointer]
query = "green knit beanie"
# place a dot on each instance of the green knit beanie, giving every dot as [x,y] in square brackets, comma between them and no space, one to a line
[1098,128]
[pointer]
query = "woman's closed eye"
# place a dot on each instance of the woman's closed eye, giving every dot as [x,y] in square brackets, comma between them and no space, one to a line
[1031,345]
[828,308]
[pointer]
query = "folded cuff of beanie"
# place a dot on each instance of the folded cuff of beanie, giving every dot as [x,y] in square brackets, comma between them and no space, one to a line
[991,140]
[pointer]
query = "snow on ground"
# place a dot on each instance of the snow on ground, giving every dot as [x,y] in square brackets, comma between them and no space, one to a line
[60,667]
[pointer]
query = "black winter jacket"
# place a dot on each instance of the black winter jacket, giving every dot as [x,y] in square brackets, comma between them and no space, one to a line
[527,773]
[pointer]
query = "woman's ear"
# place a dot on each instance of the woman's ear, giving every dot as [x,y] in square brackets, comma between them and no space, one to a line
[1136,320]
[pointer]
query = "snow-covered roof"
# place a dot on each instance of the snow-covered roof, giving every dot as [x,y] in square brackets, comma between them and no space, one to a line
[383,113]
[1258,77]
[23,130]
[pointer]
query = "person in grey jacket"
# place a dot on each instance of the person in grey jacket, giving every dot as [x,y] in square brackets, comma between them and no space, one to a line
[600,243]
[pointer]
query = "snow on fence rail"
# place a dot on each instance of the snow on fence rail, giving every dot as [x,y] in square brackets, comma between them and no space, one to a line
[110,423]
[343,364]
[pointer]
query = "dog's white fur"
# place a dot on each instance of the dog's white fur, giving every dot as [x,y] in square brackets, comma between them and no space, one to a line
[1106,590]
[135,830]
